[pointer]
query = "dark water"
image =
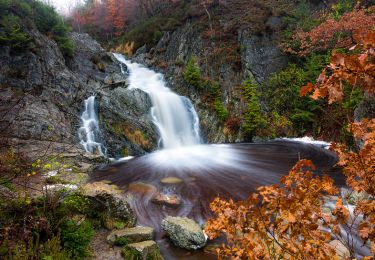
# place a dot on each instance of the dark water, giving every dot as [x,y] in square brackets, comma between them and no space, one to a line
[207,171]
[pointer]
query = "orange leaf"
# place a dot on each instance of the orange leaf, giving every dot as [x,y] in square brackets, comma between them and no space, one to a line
[306,89]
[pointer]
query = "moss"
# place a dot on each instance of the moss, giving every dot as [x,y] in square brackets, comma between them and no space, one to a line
[131,254]
[121,241]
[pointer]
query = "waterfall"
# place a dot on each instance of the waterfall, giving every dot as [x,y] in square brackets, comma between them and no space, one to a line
[90,128]
[174,115]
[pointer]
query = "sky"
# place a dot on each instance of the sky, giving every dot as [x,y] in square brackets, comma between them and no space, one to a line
[63,6]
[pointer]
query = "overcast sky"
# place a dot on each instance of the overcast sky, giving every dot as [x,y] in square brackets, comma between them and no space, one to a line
[63,6]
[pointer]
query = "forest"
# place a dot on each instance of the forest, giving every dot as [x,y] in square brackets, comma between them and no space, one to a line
[187,129]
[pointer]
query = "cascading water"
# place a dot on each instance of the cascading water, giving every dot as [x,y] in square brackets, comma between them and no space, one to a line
[89,130]
[174,115]
[203,171]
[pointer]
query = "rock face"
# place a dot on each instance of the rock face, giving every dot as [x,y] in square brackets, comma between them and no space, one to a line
[258,56]
[184,232]
[41,97]
[146,250]
[107,203]
[130,235]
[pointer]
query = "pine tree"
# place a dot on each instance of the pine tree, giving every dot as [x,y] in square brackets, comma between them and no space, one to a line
[252,115]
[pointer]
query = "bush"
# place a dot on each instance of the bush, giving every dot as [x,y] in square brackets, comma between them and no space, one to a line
[18,15]
[281,94]
[76,237]
[12,34]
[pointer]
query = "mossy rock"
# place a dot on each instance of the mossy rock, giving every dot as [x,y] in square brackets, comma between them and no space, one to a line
[146,250]
[130,235]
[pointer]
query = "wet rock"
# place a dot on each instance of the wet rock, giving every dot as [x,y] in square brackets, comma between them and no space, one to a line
[130,235]
[141,188]
[171,180]
[168,200]
[340,249]
[184,232]
[108,203]
[146,250]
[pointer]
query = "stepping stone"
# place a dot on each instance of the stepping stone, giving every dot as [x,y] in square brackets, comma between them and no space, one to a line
[146,250]
[130,235]
[171,180]
[184,232]
[141,188]
[168,200]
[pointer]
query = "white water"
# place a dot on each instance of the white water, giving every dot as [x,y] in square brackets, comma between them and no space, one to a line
[90,128]
[173,115]
[308,140]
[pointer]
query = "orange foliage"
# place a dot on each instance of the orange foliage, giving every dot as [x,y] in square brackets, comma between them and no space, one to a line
[288,221]
[357,70]
[335,33]
[275,222]
[359,168]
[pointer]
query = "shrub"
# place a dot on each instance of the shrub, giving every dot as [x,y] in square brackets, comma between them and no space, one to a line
[76,237]
[281,94]
[18,15]
[12,34]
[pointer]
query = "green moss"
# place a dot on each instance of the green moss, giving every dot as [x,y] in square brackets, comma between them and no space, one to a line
[131,254]
[121,241]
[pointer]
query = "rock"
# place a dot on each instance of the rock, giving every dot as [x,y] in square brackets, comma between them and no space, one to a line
[340,248]
[184,232]
[167,200]
[108,204]
[141,188]
[355,197]
[130,235]
[171,180]
[146,250]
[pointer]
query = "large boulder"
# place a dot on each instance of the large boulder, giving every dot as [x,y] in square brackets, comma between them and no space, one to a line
[184,232]
[146,250]
[130,235]
[108,204]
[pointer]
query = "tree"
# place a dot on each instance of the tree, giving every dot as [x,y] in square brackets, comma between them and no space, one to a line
[275,222]
[252,115]
[334,33]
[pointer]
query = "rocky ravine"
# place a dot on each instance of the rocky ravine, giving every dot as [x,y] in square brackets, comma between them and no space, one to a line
[41,97]
[258,57]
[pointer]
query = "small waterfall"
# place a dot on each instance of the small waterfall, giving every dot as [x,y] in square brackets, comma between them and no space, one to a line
[89,130]
[173,115]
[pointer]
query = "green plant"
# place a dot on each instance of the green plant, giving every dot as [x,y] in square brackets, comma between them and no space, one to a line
[76,237]
[12,34]
[252,116]
[341,7]
[281,94]
[221,110]
[192,74]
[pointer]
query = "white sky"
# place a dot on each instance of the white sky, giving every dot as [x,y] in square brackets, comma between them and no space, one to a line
[63,6]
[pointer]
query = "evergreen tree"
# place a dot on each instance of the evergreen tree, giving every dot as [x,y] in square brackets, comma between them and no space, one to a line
[252,115]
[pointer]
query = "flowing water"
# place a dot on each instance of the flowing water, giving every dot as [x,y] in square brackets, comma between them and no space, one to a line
[199,172]
[173,115]
[89,131]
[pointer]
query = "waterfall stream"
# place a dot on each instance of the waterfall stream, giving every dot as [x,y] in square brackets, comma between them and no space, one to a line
[174,115]
[88,132]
